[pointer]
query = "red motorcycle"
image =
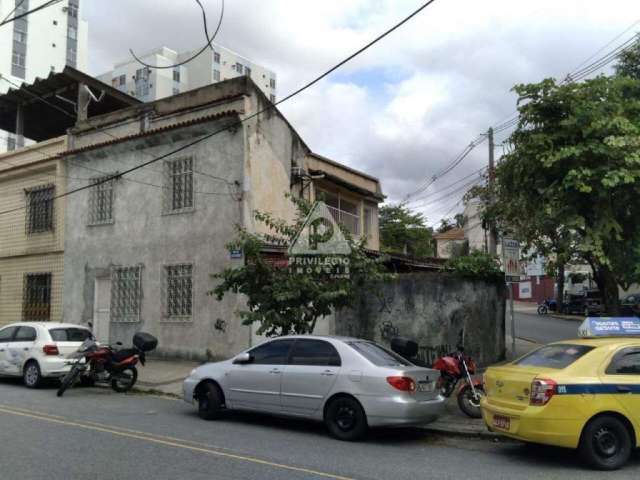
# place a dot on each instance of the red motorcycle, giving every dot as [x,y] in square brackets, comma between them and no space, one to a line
[93,363]
[455,369]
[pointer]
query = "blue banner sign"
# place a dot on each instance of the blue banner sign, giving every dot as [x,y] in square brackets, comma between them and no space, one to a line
[609,327]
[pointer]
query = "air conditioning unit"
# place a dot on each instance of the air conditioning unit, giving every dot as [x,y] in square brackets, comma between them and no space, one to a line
[297,172]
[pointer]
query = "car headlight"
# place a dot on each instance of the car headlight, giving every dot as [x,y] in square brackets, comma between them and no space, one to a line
[193,372]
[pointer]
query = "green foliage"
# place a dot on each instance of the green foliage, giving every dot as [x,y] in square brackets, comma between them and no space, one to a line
[629,61]
[476,265]
[571,184]
[282,300]
[402,231]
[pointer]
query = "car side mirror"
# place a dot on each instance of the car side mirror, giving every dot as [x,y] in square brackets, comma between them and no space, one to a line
[243,358]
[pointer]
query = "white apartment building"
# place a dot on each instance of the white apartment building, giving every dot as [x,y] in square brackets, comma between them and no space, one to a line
[210,67]
[41,42]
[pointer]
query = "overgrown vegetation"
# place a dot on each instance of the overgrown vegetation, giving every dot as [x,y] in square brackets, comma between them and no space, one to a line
[283,300]
[477,265]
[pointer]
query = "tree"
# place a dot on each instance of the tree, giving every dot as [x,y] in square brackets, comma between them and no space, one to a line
[629,61]
[571,184]
[284,300]
[403,231]
[446,224]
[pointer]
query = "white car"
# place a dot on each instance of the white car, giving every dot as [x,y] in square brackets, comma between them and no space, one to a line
[37,350]
[349,383]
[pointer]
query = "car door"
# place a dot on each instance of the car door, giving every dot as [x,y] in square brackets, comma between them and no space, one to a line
[622,378]
[256,385]
[20,349]
[307,379]
[6,337]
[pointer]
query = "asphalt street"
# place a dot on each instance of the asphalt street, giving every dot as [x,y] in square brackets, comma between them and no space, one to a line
[96,433]
[542,328]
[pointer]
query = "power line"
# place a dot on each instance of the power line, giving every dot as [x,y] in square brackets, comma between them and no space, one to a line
[448,186]
[207,45]
[29,12]
[18,5]
[241,121]
[449,194]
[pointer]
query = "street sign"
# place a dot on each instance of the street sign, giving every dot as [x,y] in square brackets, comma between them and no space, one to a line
[511,259]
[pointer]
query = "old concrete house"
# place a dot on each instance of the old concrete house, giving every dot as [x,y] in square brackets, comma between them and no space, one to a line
[140,249]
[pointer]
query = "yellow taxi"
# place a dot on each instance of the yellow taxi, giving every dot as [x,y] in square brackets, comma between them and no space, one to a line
[582,394]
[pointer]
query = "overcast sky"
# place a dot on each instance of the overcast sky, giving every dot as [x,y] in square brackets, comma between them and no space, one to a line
[405,108]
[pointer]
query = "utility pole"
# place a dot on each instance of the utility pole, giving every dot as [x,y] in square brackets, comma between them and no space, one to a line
[493,236]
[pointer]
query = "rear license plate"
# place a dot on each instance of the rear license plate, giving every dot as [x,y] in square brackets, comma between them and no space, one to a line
[501,422]
[426,386]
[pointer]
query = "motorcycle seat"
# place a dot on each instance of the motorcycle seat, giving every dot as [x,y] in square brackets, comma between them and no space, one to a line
[120,355]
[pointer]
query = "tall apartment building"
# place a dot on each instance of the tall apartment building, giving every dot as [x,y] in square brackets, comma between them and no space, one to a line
[41,42]
[38,44]
[210,67]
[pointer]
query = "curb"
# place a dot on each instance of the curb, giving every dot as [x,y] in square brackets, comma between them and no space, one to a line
[481,434]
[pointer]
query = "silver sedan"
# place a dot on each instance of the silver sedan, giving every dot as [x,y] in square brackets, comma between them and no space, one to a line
[349,383]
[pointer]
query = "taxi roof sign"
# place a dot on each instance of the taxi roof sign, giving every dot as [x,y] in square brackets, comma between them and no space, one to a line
[609,327]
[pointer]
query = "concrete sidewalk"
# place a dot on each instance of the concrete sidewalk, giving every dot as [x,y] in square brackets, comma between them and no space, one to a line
[164,377]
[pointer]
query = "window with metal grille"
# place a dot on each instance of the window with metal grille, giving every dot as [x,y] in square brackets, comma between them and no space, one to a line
[40,209]
[101,201]
[125,294]
[176,75]
[216,57]
[216,75]
[178,294]
[36,297]
[178,189]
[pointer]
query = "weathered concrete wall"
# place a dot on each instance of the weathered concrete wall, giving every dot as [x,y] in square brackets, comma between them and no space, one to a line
[432,308]
[141,234]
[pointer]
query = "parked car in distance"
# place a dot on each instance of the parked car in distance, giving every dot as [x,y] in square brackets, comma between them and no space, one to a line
[37,350]
[348,383]
[630,305]
[588,303]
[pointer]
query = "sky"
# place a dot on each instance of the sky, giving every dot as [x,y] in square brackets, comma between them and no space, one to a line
[404,109]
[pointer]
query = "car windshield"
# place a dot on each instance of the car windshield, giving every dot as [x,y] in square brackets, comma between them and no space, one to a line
[378,355]
[554,356]
[70,334]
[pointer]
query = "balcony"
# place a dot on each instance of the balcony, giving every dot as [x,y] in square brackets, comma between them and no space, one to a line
[350,221]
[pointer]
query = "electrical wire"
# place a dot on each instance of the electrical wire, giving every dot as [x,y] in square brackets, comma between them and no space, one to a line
[13,10]
[449,186]
[207,45]
[269,107]
[29,12]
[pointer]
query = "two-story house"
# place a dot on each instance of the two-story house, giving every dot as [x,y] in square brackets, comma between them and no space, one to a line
[141,248]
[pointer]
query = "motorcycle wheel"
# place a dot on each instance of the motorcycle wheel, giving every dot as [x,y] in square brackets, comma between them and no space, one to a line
[469,405]
[67,381]
[124,380]
[543,310]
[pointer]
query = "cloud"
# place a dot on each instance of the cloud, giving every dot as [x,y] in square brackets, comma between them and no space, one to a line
[406,107]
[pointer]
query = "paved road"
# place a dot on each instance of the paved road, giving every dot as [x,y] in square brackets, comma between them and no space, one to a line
[95,433]
[542,328]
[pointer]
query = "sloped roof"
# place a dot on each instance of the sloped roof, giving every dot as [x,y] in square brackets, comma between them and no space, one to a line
[453,234]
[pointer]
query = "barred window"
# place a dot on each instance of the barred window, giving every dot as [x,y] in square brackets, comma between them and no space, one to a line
[178,191]
[101,201]
[36,297]
[40,209]
[125,294]
[178,291]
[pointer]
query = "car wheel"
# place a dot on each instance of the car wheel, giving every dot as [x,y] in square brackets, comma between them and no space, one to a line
[605,443]
[210,401]
[31,375]
[345,419]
